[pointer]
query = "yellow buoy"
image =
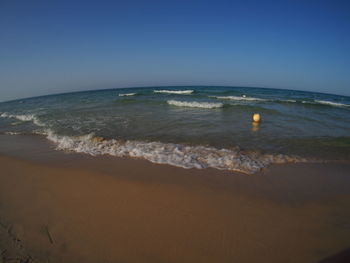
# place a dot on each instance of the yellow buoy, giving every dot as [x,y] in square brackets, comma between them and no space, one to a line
[256,117]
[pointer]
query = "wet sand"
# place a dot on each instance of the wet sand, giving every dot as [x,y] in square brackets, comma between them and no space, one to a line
[64,207]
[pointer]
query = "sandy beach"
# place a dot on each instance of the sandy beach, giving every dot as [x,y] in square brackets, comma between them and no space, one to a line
[64,207]
[175,131]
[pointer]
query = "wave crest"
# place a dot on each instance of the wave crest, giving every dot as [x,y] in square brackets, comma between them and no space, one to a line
[185,92]
[184,156]
[325,102]
[195,104]
[172,154]
[12,133]
[314,102]
[126,94]
[331,103]
[243,98]
[23,117]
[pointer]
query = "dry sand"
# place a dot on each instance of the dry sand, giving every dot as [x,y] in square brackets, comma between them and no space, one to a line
[119,210]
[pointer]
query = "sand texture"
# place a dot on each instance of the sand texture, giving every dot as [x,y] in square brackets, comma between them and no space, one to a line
[133,211]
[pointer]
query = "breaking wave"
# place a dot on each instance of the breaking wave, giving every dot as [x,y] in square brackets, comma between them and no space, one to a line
[23,117]
[314,102]
[331,103]
[170,153]
[243,98]
[126,94]
[289,101]
[325,102]
[195,104]
[179,155]
[186,92]
[12,133]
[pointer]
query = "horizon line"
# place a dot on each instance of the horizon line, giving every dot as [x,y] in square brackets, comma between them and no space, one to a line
[170,86]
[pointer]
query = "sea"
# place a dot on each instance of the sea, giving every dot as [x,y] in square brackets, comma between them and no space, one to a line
[189,126]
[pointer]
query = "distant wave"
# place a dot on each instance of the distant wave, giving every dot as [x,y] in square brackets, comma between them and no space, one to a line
[23,117]
[185,92]
[195,104]
[12,133]
[325,102]
[170,153]
[126,94]
[290,101]
[243,98]
[315,102]
[331,103]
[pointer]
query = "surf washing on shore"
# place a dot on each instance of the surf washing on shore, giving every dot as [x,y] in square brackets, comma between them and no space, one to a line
[190,127]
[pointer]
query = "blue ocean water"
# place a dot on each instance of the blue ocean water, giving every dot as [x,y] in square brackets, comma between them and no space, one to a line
[190,126]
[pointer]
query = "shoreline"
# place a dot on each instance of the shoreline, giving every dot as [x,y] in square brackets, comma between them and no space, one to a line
[108,209]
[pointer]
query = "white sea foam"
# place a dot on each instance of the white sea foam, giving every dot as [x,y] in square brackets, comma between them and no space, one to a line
[237,98]
[325,102]
[307,102]
[184,92]
[126,94]
[162,153]
[291,101]
[195,104]
[331,103]
[169,153]
[12,133]
[245,98]
[23,117]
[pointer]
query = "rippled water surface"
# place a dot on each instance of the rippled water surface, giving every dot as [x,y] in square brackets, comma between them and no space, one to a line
[190,126]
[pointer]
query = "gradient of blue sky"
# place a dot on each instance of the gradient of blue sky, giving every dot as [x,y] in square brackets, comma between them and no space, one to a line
[60,46]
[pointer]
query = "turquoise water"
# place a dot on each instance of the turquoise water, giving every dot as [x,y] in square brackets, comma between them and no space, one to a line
[189,126]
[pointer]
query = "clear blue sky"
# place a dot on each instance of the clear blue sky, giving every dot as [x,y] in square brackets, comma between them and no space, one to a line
[60,46]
